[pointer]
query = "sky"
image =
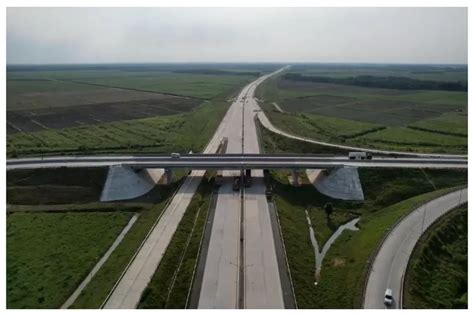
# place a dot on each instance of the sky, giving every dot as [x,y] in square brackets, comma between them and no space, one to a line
[129,35]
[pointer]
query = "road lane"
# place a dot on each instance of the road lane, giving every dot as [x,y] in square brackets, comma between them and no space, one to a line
[262,284]
[221,287]
[391,261]
[127,291]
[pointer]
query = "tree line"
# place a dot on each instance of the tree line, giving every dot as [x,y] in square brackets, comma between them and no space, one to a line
[391,82]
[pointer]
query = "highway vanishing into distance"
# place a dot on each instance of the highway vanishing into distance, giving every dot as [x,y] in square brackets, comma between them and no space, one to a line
[222,285]
[242,266]
[390,264]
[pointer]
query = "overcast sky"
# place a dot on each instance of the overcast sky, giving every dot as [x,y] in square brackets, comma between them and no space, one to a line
[108,35]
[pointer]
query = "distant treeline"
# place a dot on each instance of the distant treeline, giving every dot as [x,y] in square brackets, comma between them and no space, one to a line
[402,83]
[253,67]
[218,72]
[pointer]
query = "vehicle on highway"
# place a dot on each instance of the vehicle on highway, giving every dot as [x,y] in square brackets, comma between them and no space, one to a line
[388,298]
[359,155]
[236,183]
[219,178]
[175,155]
[248,178]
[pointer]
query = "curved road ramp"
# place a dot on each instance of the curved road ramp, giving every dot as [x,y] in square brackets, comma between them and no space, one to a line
[125,183]
[390,264]
[339,183]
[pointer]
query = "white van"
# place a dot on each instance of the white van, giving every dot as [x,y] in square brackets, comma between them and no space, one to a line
[175,155]
[359,155]
[388,298]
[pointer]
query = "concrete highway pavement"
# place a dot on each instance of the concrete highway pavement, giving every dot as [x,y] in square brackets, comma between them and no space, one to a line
[128,289]
[262,284]
[240,275]
[391,262]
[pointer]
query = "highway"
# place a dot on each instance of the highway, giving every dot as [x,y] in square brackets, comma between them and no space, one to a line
[391,262]
[249,161]
[241,268]
[127,291]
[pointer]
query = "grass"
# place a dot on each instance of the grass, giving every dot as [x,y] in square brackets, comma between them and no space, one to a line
[320,127]
[100,286]
[274,143]
[48,255]
[203,86]
[172,281]
[58,186]
[437,271]
[448,124]
[413,140]
[389,193]
[418,120]
[176,133]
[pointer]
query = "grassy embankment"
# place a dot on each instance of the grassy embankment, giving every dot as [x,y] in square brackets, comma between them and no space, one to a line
[172,281]
[29,188]
[407,120]
[389,193]
[48,254]
[437,271]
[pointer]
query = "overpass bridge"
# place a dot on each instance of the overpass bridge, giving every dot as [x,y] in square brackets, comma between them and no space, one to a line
[233,161]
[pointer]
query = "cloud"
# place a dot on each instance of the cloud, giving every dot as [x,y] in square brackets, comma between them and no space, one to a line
[100,35]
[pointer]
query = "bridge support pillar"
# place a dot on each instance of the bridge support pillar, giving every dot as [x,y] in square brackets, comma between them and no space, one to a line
[168,176]
[295,178]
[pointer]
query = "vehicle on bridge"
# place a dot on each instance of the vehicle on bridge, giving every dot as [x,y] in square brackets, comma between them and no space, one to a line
[359,155]
[175,155]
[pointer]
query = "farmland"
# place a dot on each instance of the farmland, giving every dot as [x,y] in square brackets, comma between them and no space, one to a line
[389,193]
[408,120]
[56,108]
[48,254]
[437,272]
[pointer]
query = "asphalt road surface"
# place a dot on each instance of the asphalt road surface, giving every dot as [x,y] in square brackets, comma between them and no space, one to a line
[391,261]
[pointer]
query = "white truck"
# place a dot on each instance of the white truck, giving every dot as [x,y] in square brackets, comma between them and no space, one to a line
[359,155]
[175,155]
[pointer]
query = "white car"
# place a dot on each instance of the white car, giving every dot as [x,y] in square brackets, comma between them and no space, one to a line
[388,298]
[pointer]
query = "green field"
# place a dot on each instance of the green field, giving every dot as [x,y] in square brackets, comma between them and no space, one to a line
[407,120]
[161,134]
[48,255]
[389,193]
[59,186]
[172,281]
[437,271]
[21,86]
